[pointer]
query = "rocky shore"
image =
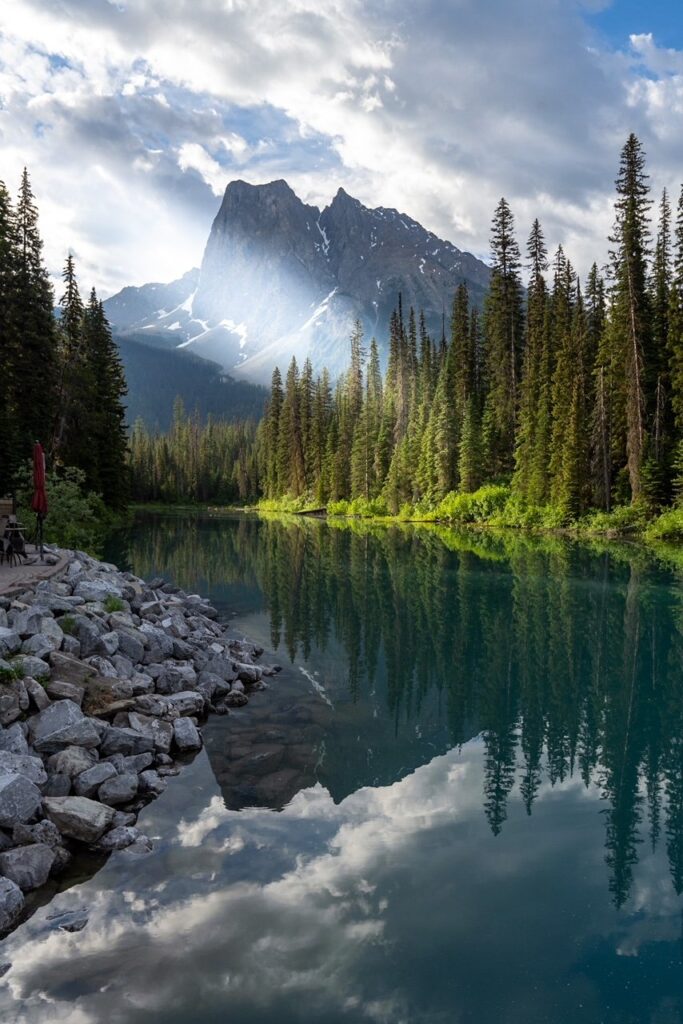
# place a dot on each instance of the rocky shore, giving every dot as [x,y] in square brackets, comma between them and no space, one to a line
[104,680]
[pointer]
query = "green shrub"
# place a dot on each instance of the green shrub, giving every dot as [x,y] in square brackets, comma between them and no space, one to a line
[367,508]
[337,508]
[623,519]
[473,507]
[67,624]
[113,604]
[15,671]
[76,518]
[667,526]
[287,503]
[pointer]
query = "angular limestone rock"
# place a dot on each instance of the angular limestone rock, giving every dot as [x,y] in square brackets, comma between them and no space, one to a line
[78,817]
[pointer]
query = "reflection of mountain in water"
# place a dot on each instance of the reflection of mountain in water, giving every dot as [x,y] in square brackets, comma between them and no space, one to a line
[567,660]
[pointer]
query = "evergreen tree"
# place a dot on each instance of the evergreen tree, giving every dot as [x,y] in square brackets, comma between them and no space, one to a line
[676,346]
[34,399]
[10,374]
[657,466]
[504,334]
[107,413]
[291,461]
[77,394]
[531,453]
[630,308]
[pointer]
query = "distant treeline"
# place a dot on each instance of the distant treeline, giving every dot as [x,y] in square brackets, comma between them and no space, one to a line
[61,380]
[196,460]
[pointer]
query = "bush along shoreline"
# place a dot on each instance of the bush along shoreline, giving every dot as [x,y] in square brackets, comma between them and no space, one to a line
[497,506]
[104,681]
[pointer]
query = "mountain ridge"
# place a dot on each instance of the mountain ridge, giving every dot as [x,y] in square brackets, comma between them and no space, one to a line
[280,277]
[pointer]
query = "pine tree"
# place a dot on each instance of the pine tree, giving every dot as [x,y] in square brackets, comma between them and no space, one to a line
[657,466]
[273,482]
[35,398]
[11,362]
[676,346]
[107,435]
[290,446]
[503,332]
[532,444]
[77,402]
[630,303]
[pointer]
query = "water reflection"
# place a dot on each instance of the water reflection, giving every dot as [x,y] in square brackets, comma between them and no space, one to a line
[478,792]
[566,659]
[394,906]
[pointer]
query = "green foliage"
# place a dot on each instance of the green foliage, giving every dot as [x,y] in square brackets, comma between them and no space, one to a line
[77,517]
[62,381]
[194,462]
[67,624]
[113,604]
[287,503]
[475,507]
[667,526]
[15,671]
[623,519]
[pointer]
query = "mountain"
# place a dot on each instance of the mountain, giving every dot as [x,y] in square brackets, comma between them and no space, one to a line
[156,378]
[281,278]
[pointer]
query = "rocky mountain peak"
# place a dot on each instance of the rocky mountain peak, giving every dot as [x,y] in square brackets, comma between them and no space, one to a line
[281,278]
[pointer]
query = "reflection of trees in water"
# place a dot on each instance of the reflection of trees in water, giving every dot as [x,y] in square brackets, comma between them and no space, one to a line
[567,659]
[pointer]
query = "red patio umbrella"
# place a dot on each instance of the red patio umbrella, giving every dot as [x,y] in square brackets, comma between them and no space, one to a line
[39,502]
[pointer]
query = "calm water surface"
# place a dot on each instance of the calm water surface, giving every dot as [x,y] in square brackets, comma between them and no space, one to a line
[461,801]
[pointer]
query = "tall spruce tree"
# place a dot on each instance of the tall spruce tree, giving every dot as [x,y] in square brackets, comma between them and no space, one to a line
[676,346]
[657,465]
[504,339]
[76,395]
[11,362]
[107,413]
[532,434]
[630,307]
[34,392]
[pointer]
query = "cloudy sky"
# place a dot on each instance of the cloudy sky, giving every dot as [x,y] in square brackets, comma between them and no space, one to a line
[132,116]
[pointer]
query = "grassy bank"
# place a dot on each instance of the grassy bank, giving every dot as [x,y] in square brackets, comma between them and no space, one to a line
[496,506]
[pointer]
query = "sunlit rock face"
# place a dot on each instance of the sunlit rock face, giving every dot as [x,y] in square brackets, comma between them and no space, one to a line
[280,278]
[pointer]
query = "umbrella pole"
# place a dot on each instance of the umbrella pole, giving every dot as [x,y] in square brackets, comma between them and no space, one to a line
[40,537]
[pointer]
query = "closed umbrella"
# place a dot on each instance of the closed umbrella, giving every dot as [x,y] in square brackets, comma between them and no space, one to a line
[39,502]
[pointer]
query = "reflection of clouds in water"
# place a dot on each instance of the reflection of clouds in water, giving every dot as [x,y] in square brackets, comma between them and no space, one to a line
[301,933]
[311,942]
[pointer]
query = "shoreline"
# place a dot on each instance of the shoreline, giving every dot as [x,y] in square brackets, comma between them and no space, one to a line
[105,683]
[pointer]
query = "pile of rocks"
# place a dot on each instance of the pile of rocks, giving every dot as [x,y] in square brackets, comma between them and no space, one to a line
[103,680]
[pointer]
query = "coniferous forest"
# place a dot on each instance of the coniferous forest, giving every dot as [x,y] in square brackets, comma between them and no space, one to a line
[61,378]
[559,397]
[570,391]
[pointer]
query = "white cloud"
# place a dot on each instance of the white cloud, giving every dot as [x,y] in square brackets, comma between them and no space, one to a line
[437,110]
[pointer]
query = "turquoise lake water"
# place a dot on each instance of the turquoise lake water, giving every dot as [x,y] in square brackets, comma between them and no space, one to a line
[460,801]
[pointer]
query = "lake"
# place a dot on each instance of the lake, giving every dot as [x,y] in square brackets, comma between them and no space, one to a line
[460,801]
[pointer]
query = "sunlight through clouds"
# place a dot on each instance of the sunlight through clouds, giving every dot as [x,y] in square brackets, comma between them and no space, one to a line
[179,98]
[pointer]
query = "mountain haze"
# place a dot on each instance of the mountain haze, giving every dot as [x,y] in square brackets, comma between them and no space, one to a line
[281,278]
